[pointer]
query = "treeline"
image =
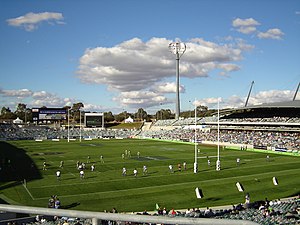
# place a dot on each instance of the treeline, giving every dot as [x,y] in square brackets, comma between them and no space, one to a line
[25,114]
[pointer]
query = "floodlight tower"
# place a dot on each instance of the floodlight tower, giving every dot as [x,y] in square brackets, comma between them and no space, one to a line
[178,49]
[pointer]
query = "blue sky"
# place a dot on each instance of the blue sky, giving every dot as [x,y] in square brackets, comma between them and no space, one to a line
[113,55]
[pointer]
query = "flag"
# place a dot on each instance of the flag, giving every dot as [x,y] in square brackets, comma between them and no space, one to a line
[275,181]
[239,186]
[199,193]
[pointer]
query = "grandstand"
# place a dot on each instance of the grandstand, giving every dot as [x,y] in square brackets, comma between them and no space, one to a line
[273,126]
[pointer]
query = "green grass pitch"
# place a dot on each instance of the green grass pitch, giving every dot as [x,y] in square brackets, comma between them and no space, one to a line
[106,188]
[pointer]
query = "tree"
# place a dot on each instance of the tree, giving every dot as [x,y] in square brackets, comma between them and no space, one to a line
[121,116]
[5,110]
[77,106]
[6,113]
[20,111]
[76,111]
[164,114]
[141,114]
[108,117]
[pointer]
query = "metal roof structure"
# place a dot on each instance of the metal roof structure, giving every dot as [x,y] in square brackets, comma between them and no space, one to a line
[288,104]
[292,106]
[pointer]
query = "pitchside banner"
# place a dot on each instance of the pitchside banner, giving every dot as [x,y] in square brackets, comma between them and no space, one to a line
[49,114]
[263,147]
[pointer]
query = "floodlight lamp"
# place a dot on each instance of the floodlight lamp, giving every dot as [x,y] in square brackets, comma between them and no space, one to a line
[177,48]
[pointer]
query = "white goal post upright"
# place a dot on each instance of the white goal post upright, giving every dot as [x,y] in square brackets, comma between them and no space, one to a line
[80,127]
[68,125]
[218,163]
[195,141]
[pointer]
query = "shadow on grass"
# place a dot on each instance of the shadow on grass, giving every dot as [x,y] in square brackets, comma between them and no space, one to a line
[16,166]
[72,205]
[3,202]
[212,199]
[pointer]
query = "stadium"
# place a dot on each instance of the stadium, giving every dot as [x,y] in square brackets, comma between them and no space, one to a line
[256,179]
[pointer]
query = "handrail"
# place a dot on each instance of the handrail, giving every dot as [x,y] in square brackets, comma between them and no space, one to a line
[97,216]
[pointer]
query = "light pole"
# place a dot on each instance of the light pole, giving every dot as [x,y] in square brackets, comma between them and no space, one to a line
[190,104]
[178,49]
[161,112]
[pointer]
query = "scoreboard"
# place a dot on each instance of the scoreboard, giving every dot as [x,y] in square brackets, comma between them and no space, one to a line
[49,114]
[94,119]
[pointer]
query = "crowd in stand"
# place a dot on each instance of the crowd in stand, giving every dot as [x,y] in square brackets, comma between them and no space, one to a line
[277,212]
[271,139]
[14,132]
[211,119]
[289,140]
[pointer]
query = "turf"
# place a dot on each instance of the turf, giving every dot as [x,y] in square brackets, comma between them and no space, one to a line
[106,188]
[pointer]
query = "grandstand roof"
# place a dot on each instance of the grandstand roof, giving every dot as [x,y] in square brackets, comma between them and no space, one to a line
[292,105]
[288,104]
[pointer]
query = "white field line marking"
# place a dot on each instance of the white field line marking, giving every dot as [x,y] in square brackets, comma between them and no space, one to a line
[181,174]
[28,191]
[167,185]
[71,173]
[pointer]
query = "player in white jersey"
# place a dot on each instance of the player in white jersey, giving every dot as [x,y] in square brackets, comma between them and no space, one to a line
[171,168]
[124,171]
[238,161]
[58,173]
[81,174]
[145,170]
[135,172]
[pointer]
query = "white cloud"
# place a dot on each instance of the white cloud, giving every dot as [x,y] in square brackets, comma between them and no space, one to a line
[271,96]
[137,99]
[30,21]
[235,101]
[11,98]
[244,22]
[41,95]
[243,45]
[247,30]
[245,26]
[248,26]
[138,66]
[229,67]
[209,102]
[271,34]
[92,107]
[22,93]
[168,87]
